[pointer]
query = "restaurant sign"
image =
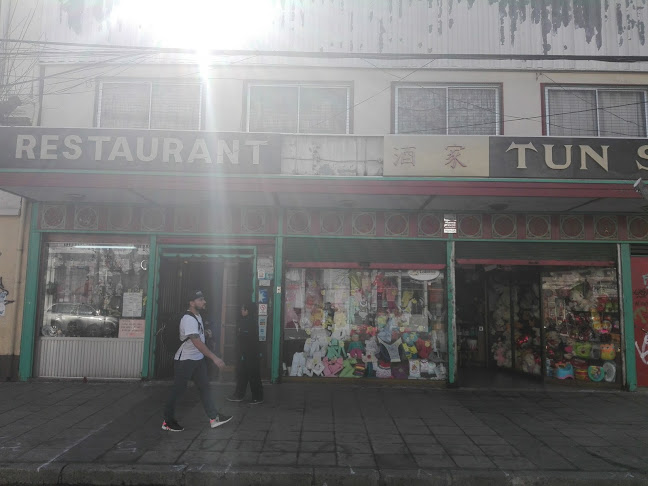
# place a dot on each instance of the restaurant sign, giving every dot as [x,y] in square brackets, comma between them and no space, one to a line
[139,150]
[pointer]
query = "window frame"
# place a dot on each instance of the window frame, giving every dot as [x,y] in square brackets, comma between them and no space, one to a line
[99,94]
[298,84]
[499,104]
[547,87]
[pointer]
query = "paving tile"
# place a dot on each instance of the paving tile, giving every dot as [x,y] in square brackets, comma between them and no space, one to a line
[278,458]
[351,437]
[239,458]
[445,430]
[81,454]
[426,449]
[395,461]
[500,450]
[433,461]
[488,440]
[455,440]
[421,439]
[122,456]
[160,457]
[244,446]
[513,463]
[309,436]
[462,450]
[472,462]
[353,447]
[38,454]
[316,459]
[317,447]
[281,446]
[356,460]
[199,457]
[207,445]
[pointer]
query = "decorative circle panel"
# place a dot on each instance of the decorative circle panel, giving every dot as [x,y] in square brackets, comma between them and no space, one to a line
[153,219]
[53,217]
[120,218]
[572,227]
[638,228]
[504,226]
[185,220]
[429,224]
[469,226]
[538,227]
[253,220]
[298,222]
[396,224]
[331,223]
[364,224]
[85,217]
[605,228]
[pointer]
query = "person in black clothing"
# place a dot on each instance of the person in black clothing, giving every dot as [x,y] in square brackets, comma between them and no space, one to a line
[248,363]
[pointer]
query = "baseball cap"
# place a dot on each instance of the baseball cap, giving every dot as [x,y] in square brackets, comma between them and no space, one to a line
[195,294]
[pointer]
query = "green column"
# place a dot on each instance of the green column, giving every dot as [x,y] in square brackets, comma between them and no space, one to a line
[148,355]
[276,305]
[450,282]
[30,303]
[627,315]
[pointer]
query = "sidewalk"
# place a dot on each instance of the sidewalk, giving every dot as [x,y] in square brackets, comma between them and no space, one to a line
[316,434]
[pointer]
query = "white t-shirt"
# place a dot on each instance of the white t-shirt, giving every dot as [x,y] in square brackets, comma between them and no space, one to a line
[189,325]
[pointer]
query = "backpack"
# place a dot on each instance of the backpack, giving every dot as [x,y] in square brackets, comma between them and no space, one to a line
[170,332]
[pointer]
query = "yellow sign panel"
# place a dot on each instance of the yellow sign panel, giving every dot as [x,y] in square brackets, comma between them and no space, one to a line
[436,156]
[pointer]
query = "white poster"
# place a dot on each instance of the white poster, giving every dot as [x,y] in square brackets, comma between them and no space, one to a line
[132,304]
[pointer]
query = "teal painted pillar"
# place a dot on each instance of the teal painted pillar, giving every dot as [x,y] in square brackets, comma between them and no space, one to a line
[30,302]
[452,327]
[627,314]
[276,304]
[148,355]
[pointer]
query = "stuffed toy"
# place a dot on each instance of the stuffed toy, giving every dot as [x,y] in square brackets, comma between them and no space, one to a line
[409,346]
[414,369]
[400,371]
[334,350]
[298,364]
[383,370]
[348,369]
[318,364]
[390,351]
[441,372]
[608,352]
[423,348]
[425,366]
[371,352]
[332,366]
[355,348]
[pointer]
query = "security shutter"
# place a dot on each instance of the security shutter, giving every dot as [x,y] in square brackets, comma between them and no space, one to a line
[534,253]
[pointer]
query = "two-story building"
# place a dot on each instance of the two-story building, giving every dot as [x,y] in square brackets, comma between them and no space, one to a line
[438,192]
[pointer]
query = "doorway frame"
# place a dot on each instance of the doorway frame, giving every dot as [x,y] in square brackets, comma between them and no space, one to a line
[186,251]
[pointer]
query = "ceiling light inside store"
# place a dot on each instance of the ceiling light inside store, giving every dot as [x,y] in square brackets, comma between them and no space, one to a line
[106,247]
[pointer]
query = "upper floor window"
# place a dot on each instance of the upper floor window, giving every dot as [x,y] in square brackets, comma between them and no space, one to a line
[447,110]
[302,108]
[144,104]
[596,111]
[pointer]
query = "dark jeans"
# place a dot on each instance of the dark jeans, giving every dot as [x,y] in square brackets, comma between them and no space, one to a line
[183,371]
[247,371]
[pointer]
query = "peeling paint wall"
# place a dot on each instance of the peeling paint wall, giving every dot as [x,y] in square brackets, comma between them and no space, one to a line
[514,27]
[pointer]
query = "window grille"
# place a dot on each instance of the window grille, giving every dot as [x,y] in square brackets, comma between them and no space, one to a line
[298,109]
[150,105]
[592,112]
[447,110]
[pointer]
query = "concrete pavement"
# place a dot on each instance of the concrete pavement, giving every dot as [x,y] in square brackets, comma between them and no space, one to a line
[322,433]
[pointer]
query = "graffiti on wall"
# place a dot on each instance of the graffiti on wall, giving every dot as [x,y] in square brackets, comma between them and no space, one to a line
[4,293]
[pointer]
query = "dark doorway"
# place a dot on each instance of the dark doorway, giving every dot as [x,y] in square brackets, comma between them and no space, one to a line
[226,283]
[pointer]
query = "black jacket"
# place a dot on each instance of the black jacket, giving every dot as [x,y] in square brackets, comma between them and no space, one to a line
[247,337]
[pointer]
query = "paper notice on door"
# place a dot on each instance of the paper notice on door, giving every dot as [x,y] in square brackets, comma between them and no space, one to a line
[132,304]
[131,328]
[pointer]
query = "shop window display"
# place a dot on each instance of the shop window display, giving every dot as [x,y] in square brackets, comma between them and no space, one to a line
[365,323]
[94,291]
[582,325]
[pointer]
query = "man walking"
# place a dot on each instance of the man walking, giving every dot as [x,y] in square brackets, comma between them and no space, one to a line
[190,362]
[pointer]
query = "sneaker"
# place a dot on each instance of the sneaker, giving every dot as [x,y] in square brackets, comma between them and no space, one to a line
[234,398]
[172,426]
[219,420]
[256,402]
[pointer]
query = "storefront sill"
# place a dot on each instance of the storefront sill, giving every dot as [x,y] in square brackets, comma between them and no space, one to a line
[365,381]
[584,385]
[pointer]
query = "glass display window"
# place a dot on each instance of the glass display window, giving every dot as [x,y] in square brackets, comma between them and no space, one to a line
[361,323]
[93,290]
[582,325]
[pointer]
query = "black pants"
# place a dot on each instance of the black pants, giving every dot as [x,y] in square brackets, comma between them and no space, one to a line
[247,371]
[183,371]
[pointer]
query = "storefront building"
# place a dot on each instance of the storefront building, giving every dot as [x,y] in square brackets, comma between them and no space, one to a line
[342,292]
[398,214]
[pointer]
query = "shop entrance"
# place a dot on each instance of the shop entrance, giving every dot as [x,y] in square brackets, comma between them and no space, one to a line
[498,322]
[226,282]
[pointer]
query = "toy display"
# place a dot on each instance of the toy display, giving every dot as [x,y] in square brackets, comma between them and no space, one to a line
[581,320]
[365,324]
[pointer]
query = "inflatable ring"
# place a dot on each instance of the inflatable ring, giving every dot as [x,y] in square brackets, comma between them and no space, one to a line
[596,373]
